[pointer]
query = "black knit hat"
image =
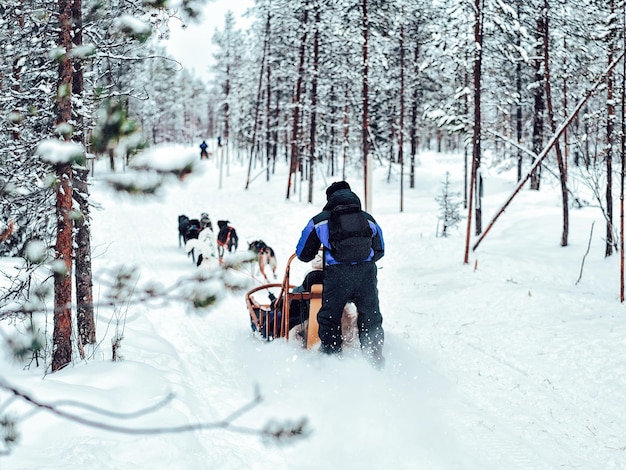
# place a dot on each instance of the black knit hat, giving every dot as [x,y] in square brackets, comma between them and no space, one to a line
[336,186]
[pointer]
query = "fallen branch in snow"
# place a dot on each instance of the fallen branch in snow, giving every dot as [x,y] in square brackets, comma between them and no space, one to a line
[586,253]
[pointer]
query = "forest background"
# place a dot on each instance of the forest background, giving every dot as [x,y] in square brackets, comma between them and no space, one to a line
[321,85]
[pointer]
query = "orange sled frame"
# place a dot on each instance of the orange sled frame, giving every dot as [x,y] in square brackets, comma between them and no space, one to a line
[261,314]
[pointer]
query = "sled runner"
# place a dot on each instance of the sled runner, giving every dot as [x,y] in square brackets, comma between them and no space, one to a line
[290,312]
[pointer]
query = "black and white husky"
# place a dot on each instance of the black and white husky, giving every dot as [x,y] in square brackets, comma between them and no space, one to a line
[265,255]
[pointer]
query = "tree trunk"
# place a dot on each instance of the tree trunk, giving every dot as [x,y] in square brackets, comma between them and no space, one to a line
[17,72]
[413,130]
[539,105]
[84,294]
[268,98]
[333,129]
[518,104]
[474,185]
[316,53]
[365,96]
[557,147]
[466,107]
[275,134]
[62,332]
[85,322]
[623,167]
[610,120]
[224,141]
[476,138]
[295,132]
[401,123]
[565,106]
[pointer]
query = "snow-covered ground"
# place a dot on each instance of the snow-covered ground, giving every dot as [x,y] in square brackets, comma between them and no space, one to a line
[504,363]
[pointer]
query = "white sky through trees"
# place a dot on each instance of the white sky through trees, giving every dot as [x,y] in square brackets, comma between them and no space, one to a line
[193,46]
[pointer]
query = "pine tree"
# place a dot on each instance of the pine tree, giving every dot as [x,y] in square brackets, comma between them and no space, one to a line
[449,207]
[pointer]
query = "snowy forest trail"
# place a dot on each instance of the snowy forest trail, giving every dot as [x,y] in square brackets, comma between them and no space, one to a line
[217,348]
[504,363]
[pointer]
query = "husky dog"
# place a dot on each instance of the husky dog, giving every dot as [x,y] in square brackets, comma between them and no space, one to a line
[205,221]
[204,246]
[183,223]
[227,238]
[265,255]
[188,229]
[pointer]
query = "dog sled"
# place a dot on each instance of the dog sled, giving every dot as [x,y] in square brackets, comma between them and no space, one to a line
[291,313]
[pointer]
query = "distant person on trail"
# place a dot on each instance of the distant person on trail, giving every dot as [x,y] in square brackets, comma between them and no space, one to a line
[352,242]
[204,154]
[219,140]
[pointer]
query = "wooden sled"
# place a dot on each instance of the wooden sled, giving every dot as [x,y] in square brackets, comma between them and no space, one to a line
[272,318]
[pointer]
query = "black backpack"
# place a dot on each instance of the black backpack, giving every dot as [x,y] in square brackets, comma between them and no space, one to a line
[349,234]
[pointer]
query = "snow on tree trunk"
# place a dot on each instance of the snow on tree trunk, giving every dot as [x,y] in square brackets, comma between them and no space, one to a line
[365,98]
[474,195]
[401,125]
[414,102]
[539,104]
[518,104]
[62,332]
[610,120]
[84,294]
[85,322]
[622,175]
[316,55]
[295,131]
[476,138]
[268,100]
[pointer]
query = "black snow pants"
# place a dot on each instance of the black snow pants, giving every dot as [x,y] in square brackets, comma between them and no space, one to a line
[355,283]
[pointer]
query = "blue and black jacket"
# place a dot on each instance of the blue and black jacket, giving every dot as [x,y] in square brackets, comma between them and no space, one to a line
[316,231]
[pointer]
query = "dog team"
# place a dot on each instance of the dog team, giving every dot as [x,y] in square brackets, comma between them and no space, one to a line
[204,247]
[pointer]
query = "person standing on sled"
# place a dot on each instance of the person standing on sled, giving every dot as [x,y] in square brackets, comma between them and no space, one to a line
[352,242]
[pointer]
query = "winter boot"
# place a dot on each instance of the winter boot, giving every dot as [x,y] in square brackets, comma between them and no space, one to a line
[330,349]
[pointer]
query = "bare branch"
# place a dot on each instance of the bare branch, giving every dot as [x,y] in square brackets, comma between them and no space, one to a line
[273,431]
[113,414]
